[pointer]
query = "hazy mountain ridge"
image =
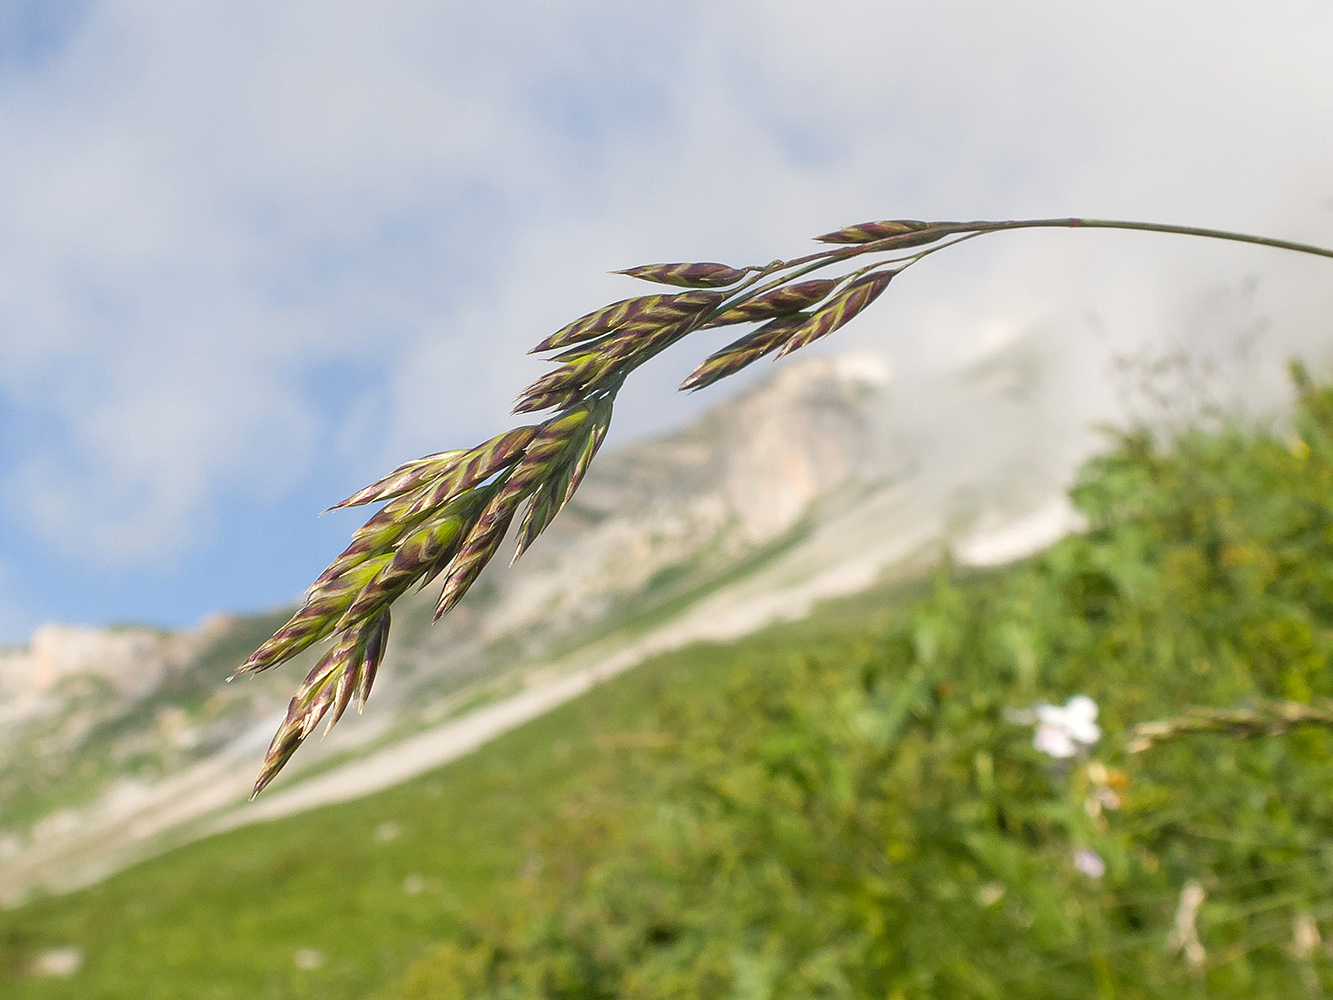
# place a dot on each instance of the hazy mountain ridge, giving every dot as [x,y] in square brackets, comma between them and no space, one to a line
[808,484]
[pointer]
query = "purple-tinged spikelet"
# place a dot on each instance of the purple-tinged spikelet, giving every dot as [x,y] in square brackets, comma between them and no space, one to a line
[472,559]
[745,350]
[406,477]
[541,458]
[705,275]
[557,400]
[482,462]
[439,538]
[564,472]
[311,701]
[870,232]
[585,456]
[843,306]
[655,309]
[377,641]
[780,301]
[579,374]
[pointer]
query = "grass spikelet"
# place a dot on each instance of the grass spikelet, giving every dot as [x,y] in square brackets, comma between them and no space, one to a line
[782,300]
[653,309]
[746,350]
[542,459]
[305,628]
[706,275]
[598,322]
[436,540]
[377,641]
[556,489]
[312,700]
[482,462]
[472,559]
[533,403]
[543,505]
[406,477]
[578,374]
[846,304]
[586,454]
[869,232]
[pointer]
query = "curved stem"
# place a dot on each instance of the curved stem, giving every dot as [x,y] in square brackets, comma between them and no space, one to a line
[815,261]
[791,269]
[1146,227]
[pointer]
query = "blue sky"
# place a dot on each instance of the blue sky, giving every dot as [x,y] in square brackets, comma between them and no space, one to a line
[254,254]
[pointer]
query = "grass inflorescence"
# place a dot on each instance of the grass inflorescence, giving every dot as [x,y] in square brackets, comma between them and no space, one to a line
[446,515]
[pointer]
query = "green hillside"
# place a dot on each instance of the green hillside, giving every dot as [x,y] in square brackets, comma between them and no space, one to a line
[370,884]
[883,823]
[852,806]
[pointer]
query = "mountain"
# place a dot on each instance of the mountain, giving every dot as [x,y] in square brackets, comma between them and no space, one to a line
[818,481]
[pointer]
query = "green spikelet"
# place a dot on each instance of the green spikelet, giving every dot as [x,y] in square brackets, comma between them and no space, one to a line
[541,459]
[542,508]
[377,641]
[586,454]
[438,539]
[435,542]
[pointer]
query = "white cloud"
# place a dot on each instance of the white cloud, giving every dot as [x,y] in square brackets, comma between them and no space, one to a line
[203,208]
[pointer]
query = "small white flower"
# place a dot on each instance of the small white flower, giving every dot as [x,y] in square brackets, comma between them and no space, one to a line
[1089,862]
[308,958]
[1060,731]
[60,963]
[1053,741]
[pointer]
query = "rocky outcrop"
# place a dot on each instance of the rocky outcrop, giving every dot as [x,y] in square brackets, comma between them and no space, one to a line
[693,502]
[132,660]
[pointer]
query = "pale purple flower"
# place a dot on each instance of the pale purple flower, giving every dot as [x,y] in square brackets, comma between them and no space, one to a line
[1089,862]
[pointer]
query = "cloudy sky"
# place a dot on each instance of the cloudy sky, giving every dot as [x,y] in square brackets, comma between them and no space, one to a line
[253,254]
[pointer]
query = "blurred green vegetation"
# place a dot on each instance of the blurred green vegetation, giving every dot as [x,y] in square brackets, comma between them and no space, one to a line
[850,806]
[361,889]
[881,825]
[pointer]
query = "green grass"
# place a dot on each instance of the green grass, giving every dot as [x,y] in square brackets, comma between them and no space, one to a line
[224,917]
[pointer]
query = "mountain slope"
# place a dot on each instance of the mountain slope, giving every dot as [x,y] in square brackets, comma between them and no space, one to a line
[811,484]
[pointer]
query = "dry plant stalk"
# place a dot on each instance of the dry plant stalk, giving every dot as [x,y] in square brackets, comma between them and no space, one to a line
[1260,718]
[445,515]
